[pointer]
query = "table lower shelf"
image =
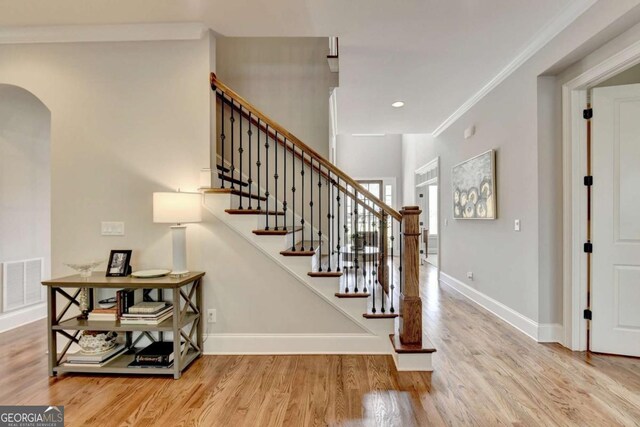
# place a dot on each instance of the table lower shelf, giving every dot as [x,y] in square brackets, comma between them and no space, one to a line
[116,325]
[119,365]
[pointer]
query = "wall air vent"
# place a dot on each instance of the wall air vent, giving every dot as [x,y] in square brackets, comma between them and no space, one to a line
[21,283]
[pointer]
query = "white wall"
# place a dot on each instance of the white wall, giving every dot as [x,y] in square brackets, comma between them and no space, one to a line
[519,119]
[287,78]
[25,185]
[132,118]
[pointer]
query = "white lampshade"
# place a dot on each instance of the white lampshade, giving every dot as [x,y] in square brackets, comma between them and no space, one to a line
[177,208]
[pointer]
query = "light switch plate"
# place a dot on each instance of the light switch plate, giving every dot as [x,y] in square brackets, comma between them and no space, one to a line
[112,228]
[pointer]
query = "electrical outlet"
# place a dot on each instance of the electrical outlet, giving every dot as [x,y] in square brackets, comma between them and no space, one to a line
[470,275]
[211,315]
[516,225]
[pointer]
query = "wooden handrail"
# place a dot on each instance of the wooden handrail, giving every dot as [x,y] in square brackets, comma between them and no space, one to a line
[216,84]
[282,142]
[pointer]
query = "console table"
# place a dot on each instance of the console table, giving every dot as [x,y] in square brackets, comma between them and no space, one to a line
[185,324]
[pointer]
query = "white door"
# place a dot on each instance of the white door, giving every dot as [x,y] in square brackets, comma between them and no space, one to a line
[615,289]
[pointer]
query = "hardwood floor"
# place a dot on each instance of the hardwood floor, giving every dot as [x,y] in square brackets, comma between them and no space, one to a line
[486,374]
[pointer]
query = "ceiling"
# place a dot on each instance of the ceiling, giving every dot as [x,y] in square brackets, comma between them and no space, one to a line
[432,54]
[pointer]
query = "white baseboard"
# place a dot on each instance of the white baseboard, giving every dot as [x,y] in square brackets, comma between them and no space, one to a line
[531,328]
[296,344]
[550,332]
[413,362]
[13,319]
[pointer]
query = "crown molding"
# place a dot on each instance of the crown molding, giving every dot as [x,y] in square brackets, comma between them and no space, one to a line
[544,36]
[102,33]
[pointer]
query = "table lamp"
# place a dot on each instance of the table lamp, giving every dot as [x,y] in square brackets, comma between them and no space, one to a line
[177,208]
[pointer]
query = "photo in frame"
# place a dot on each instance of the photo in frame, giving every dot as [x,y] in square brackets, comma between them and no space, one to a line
[119,263]
[474,187]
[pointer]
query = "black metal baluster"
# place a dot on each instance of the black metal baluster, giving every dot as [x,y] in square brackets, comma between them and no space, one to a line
[293,197]
[275,177]
[250,180]
[266,174]
[401,241]
[329,221]
[221,173]
[391,286]
[258,163]
[284,185]
[302,205]
[232,119]
[374,286]
[311,201]
[319,216]
[355,233]
[240,151]
[338,248]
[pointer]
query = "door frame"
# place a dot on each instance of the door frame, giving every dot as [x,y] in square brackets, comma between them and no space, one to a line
[435,163]
[574,137]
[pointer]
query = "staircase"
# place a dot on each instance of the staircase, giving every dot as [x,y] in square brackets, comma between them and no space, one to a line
[320,225]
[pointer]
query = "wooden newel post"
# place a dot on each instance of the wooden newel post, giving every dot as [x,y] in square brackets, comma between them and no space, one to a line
[383,267]
[410,302]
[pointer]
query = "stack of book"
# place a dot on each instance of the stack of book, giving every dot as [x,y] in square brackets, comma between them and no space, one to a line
[94,360]
[103,314]
[147,313]
[156,355]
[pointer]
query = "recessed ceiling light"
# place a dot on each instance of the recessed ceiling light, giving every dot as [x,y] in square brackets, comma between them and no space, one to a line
[398,104]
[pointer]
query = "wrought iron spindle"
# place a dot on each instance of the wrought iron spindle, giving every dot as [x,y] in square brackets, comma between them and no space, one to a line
[391,284]
[293,197]
[355,233]
[347,220]
[250,180]
[311,201]
[400,266]
[275,177]
[284,185]
[319,217]
[232,120]
[266,174]
[329,221]
[365,255]
[338,248]
[375,269]
[258,164]
[240,151]
[302,205]
[221,172]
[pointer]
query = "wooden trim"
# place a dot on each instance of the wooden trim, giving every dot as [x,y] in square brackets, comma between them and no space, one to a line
[324,273]
[216,84]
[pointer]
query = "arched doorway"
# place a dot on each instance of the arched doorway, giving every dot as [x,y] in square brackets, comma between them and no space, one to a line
[25,205]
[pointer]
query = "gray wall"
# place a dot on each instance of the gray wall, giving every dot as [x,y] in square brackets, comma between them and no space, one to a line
[288,79]
[520,120]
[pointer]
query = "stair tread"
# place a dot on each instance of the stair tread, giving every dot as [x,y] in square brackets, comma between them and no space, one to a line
[252,212]
[380,315]
[353,294]
[233,180]
[280,232]
[325,273]
[309,249]
[223,168]
[233,191]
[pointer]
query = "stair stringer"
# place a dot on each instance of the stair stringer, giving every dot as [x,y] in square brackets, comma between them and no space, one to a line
[299,267]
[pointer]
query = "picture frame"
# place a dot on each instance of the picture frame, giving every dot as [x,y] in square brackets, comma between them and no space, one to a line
[474,187]
[119,263]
